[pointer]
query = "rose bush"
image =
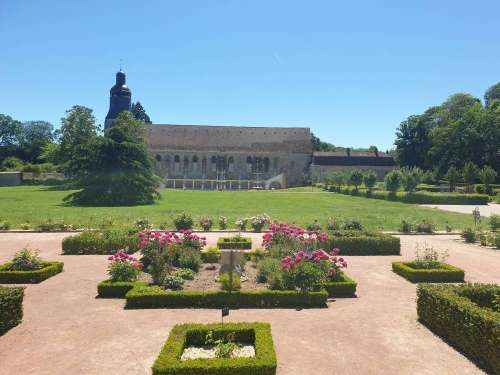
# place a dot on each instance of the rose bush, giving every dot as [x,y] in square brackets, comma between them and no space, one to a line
[288,239]
[123,267]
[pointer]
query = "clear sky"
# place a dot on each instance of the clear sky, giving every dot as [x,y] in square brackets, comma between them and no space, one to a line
[349,70]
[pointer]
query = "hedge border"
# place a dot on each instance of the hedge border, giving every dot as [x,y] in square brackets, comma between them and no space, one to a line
[345,287]
[468,327]
[115,289]
[377,244]
[11,307]
[445,274]
[264,363]
[147,297]
[89,243]
[244,244]
[29,277]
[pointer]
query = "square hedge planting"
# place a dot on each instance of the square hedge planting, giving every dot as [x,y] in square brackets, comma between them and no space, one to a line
[116,289]
[100,242]
[364,243]
[147,297]
[240,243]
[446,273]
[467,317]
[344,287]
[184,335]
[11,307]
[29,277]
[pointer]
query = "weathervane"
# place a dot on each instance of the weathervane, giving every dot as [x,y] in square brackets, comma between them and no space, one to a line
[121,60]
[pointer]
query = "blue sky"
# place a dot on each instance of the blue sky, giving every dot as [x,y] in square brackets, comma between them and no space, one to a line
[351,71]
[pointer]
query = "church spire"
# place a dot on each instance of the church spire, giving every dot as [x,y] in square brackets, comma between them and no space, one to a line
[120,98]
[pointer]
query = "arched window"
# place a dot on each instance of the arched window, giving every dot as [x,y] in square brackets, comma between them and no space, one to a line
[249,164]
[195,163]
[177,163]
[166,160]
[185,167]
[204,165]
[213,162]
[266,165]
[275,164]
[158,157]
[230,164]
[258,164]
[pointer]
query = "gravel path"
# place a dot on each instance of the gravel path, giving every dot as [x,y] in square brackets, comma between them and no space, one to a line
[66,330]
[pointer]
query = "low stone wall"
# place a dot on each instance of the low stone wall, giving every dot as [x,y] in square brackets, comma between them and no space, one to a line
[10,178]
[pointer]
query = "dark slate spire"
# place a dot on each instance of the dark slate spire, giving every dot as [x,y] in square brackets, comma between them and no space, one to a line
[120,99]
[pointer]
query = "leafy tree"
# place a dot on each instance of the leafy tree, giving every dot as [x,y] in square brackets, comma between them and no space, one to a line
[10,131]
[370,179]
[140,113]
[452,176]
[491,94]
[337,178]
[487,176]
[33,137]
[50,153]
[410,178]
[120,171]
[11,163]
[392,181]
[470,174]
[356,178]
[319,145]
[373,148]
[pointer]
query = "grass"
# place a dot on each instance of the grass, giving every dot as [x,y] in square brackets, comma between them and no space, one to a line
[300,206]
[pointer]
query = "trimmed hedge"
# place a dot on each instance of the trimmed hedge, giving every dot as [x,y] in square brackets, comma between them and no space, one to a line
[144,297]
[446,273]
[29,277]
[11,307]
[210,256]
[345,287]
[470,328]
[115,289]
[96,242]
[243,243]
[184,335]
[364,243]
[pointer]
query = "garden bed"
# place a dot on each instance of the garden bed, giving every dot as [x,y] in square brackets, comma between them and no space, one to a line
[445,273]
[100,242]
[11,307]
[186,335]
[237,243]
[364,243]
[48,270]
[467,317]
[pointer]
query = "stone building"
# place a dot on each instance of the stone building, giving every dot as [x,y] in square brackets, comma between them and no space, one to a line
[232,157]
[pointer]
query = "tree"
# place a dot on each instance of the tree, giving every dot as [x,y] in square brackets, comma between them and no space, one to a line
[33,137]
[452,176]
[10,131]
[469,174]
[392,181]
[487,176]
[140,113]
[410,178]
[370,179]
[492,93]
[11,163]
[319,145]
[356,178]
[120,170]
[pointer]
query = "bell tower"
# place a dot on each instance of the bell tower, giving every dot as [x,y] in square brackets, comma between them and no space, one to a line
[120,99]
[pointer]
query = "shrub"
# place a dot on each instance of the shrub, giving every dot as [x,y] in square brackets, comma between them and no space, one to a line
[225,282]
[405,226]
[4,225]
[212,255]
[142,224]
[26,260]
[49,269]
[428,257]
[222,222]
[266,267]
[123,267]
[54,226]
[333,224]
[155,297]
[425,227]
[315,225]
[100,242]
[190,259]
[241,224]
[469,235]
[185,335]
[445,273]
[172,282]
[259,222]
[11,307]
[392,181]
[236,242]
[25,226]
[494,222]
[352,225]
[487,176]
[183,221]
[342,287]
[184,273]
[496,241]
[370,179]
[206,223]
[116,289]
[410,178]
[453,313]
[364,243]
[356,178]
[453,177]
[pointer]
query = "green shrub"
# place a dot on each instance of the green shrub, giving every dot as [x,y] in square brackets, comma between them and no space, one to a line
[4,225]
[469,235]
[206,223]
[446,273]
[142,297]
[212,255]
[49,269]
[142,224]
[116,289]
[405,226]
[26,260]
[172,282]
[266,267]
[184,335]
[425,227]
[190,259]
[352,225]
[364,243]
[236,242]
[184,273]
[122,271]
[11,307]
[54,226]
[305,277]
[100,242]
[496,241]
[343,287]
[494,222]
[222,222]
[183,221]
[225,282]
[452,313]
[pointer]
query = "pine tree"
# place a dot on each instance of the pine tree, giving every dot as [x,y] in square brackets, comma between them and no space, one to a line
[120,170]
[140,113]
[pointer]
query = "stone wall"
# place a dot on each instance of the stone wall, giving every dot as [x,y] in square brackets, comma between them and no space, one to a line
[10,178]
[322,170]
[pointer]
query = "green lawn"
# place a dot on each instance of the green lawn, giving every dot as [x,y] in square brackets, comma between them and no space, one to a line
[35,204]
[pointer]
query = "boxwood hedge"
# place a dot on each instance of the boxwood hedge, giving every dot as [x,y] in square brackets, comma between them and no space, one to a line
[115,289]
[243,243]
[446,273]
[29,277]
[452,312]
[364,243]
[345,287]
[100,242]
[184,335]
[11,307]
[144,297]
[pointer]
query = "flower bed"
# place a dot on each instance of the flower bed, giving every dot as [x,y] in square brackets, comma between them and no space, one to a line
[116,289]
[465,317]
[343,287]
[365,243]
[48,269]
[11,307]
[144,297]
[444,273]
[243,243]
[100,242]
[184,335]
